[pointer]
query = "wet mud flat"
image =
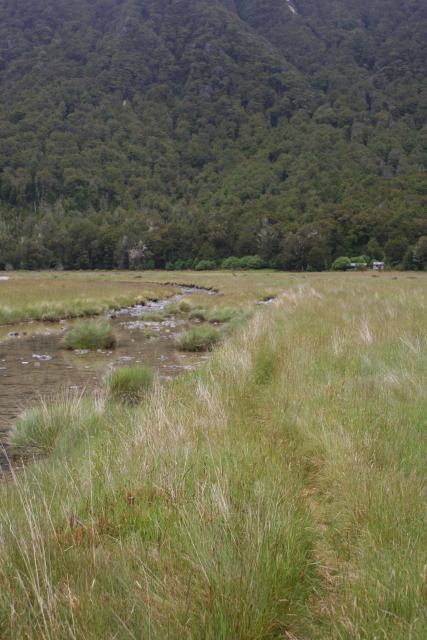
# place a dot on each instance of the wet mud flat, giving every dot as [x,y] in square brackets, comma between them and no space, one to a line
[35,366]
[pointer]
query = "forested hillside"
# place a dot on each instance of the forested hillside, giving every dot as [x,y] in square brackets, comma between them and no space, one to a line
[137,133]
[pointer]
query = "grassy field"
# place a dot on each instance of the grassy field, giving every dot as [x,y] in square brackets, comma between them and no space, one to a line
[53,296]
[277,493]
[56,295]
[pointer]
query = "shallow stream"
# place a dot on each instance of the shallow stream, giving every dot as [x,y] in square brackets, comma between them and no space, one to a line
[34,364]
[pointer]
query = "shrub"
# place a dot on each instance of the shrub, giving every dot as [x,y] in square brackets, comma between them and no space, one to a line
[130,384]
[360,262]
[360,259]
[200,339]
[231,263]
[247,262]
[341,264]
[90,335]
[251,262]
[178,265]
[205,265]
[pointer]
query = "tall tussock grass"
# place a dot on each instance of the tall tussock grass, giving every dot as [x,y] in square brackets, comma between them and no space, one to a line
[130,384]
[92,335]
[277,493]
[53,425]
[199,339]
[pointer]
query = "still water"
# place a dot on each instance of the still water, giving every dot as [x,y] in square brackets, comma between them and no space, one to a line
[35,365]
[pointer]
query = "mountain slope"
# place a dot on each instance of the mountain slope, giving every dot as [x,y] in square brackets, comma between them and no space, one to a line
[201,129]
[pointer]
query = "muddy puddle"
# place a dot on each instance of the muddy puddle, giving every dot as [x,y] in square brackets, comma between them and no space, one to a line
[34,364]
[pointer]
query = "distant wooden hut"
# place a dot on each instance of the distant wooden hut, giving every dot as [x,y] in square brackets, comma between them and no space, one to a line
[377,265]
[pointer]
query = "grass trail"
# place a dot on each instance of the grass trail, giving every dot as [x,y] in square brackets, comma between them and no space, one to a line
[278,493]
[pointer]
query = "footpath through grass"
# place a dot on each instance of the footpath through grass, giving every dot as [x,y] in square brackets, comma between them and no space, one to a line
[278,493]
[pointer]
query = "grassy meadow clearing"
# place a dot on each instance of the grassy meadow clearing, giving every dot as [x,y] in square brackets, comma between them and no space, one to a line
[278,492]
[50,295]
[53,296]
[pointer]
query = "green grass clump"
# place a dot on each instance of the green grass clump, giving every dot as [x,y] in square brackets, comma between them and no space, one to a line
[198,314]
[90,335]
[130,384]
[154,316]
[36,430]
[238,321]
[199,339]
[222,314]
[39,428]
[171,309]
[184,306]
[264,364]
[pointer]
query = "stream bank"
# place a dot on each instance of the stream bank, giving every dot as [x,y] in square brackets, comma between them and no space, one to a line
[34,364]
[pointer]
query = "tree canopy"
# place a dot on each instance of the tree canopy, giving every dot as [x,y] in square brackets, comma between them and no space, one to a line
[137,133]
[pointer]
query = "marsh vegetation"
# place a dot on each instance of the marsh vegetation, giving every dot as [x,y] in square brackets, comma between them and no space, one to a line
[130,384]
[199,339]
[90,335]
[50,296]
[277,492]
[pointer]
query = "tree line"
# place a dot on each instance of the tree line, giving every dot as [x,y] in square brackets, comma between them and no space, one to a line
[141,134]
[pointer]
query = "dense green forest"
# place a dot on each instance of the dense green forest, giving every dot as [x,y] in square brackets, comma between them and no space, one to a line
[141,133]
